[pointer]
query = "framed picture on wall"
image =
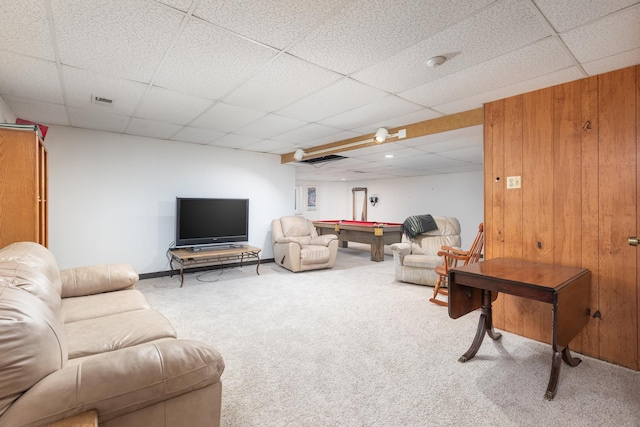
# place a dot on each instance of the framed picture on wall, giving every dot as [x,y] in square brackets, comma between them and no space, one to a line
[312,198]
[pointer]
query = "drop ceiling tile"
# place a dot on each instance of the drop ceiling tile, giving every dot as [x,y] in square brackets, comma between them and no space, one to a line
[37,111]
[235,141]
[124,39]
[81,85]
[288,148]
[25,29]
[270,125]
[616,33]
[568,14]
[614,62]
[266,146]
[310,132]
[375,150]
[89,119]
[459,167]
[466,154]
[504,26]
[285,80]
[406,119]
[471,136]
[197,136]
[171,107]
[276,24]
[367,24]
[397,151]
[27,77]
[372,113]
[341,96]
[477,101]
[182,5]
[223,117]
[151,129]
[217,61]
[535,60]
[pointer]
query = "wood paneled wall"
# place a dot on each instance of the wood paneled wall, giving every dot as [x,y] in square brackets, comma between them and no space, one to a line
[575,146]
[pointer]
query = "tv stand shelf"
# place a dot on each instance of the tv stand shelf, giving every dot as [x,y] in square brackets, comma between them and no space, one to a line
[211,256]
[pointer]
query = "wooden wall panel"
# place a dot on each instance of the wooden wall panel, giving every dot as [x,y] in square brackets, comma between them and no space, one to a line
[495,181]
[579,166]
[588,341]
[617,213]
[513,219]
[537,201]
[638,198]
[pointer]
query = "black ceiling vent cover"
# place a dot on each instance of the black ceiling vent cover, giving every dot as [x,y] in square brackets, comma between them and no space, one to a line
[323,159]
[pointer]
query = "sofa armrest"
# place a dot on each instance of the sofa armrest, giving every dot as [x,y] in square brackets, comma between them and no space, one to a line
[285,240]
[401,248]
[95,279]
[323,240]
[119,382]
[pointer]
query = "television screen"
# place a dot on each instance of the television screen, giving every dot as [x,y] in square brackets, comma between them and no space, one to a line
[205,221]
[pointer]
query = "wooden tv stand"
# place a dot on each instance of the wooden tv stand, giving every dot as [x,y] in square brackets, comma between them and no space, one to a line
[211,256]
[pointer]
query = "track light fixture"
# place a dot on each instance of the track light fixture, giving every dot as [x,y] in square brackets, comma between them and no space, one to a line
[299,154]
[382,134]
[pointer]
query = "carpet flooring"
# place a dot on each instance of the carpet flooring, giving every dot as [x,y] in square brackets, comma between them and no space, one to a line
[352,346]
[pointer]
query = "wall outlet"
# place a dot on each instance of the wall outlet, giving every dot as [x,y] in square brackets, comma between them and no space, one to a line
[514,182]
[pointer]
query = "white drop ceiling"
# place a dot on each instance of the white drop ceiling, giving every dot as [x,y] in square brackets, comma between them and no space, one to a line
[273,76]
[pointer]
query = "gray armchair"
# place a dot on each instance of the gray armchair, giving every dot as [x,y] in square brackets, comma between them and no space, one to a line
[297,246]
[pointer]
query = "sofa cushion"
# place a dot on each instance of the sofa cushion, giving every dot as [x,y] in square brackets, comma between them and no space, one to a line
[422,261]
[34,269]
[109,333]
[100,305]
[94,279]
[295,226]
[121,382]
[32,343]
[315,254]
[34,257]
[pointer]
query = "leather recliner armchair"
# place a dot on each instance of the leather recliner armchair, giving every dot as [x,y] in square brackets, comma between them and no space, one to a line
[297,246]
[415,259]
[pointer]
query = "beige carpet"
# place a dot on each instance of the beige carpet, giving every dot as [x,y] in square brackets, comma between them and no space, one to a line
[353,347]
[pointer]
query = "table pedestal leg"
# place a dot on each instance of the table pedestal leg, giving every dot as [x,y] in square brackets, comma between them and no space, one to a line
[485,324]
[556,363]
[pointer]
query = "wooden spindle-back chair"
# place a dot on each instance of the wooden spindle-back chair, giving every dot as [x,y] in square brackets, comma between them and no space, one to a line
[452,258]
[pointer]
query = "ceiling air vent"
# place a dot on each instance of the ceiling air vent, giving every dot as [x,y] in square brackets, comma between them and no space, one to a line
[98,100]
[323,159]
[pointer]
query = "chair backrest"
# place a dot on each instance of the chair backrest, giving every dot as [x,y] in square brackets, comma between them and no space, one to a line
[475,252]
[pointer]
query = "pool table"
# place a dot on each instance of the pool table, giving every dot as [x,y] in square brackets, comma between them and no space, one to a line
[377,234]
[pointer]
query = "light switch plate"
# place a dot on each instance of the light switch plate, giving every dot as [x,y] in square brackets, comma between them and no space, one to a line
[514,182]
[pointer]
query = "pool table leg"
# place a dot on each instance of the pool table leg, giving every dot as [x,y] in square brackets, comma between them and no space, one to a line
[377,249]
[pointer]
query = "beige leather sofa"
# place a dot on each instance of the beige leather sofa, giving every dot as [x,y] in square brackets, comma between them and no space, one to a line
[297,246]
[415,259]
[84,339]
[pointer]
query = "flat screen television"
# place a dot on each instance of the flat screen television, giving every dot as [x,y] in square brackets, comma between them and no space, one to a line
[207,221]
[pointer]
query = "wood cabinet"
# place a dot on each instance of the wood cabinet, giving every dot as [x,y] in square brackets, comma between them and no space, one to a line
[23,187]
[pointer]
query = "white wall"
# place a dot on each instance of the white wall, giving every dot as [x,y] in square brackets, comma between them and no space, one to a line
[112,196]
[6,115]
[460,195]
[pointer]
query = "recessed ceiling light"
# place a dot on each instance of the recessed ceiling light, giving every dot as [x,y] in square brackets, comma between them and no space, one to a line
[389,156]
